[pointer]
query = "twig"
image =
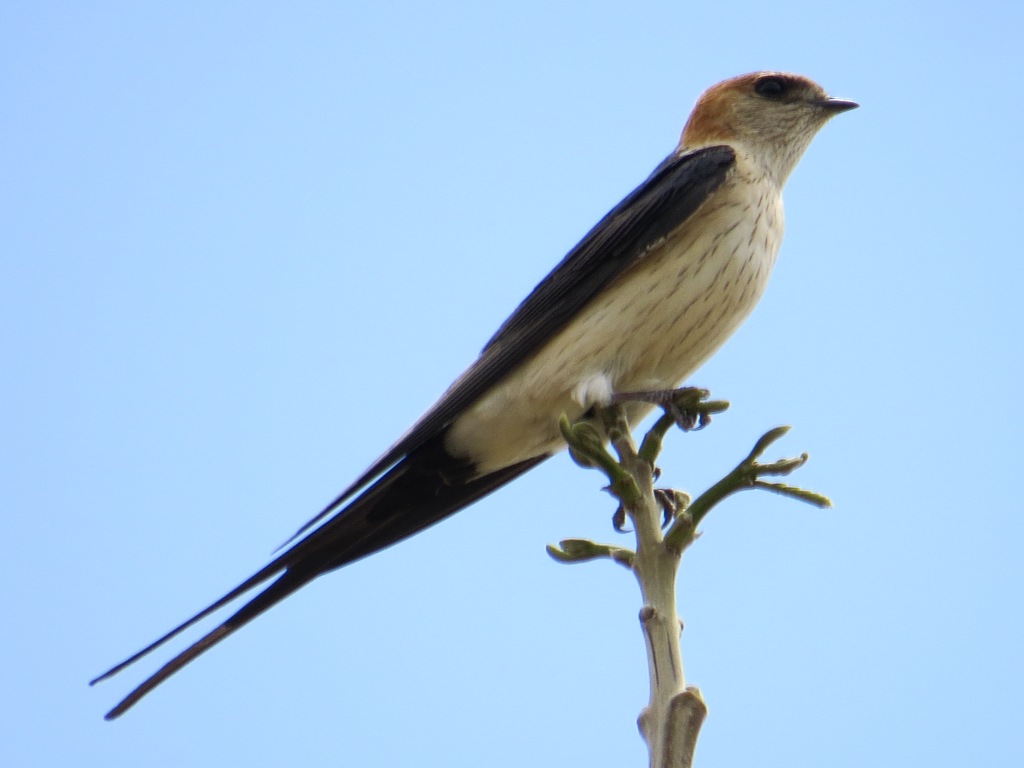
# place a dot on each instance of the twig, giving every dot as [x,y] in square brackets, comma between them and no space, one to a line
[671,721]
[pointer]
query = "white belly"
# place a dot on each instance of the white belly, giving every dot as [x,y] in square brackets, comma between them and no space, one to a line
[649,330]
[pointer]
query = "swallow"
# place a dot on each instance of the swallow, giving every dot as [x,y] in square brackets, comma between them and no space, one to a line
[649,294]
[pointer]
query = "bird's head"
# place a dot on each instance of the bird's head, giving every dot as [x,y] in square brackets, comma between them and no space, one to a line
[773,115]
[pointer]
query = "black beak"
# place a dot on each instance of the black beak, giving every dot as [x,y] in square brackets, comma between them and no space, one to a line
[835,106]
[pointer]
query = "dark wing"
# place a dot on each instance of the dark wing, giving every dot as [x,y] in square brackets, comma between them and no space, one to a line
[670,195]
[421,482]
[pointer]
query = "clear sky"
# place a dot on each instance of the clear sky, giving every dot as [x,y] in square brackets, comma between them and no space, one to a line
[244,246]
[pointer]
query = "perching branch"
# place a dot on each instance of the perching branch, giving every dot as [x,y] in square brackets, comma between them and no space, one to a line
[673,716]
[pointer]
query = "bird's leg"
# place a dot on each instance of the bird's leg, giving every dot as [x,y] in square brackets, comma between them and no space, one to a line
[686,406]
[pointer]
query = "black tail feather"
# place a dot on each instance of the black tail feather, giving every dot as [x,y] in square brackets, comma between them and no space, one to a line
[272,595]
[253,581]
[413,495]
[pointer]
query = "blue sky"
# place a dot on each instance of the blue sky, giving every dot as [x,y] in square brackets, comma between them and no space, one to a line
[244,246]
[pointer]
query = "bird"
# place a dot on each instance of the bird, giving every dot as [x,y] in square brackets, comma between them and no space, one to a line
[646,297]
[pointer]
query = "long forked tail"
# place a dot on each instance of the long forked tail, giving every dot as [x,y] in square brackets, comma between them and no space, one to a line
[416,493]
[287,583]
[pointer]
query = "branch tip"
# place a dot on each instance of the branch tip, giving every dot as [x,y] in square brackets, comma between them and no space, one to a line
[765,440]
[582,550]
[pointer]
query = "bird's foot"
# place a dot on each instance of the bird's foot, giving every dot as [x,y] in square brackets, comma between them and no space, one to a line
[673,503]
[683,404]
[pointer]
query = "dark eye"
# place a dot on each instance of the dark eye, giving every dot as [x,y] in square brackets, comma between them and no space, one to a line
[771,87]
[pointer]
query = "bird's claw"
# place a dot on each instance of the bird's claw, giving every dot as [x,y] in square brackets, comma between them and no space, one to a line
[682,405]
[685,419]
[619,519]
[672,502]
